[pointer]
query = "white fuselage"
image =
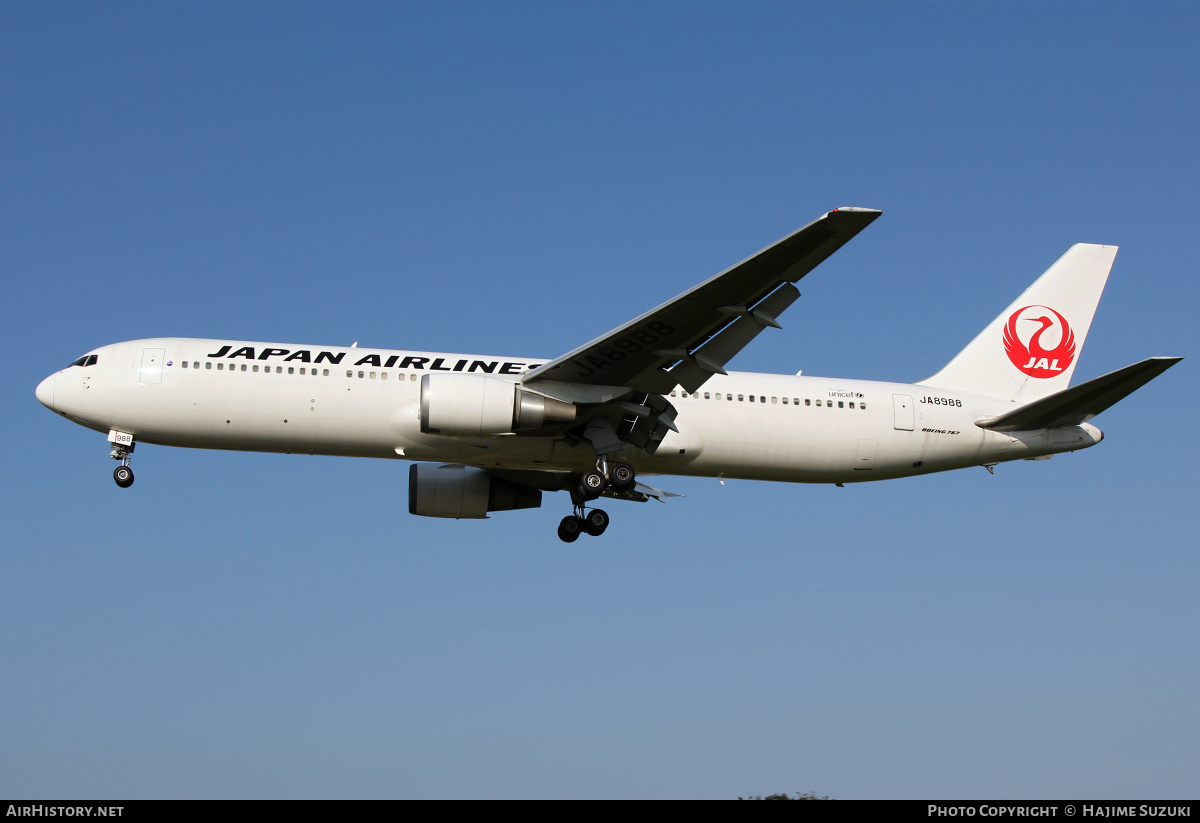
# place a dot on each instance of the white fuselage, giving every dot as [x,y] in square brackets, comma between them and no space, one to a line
[355,402]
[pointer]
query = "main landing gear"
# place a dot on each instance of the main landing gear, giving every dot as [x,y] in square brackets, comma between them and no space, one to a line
[592,483]
[122,447]
[592,522]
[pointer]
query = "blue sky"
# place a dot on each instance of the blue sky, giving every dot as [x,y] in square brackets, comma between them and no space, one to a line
[519,178]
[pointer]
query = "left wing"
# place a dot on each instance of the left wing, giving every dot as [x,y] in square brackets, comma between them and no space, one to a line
[690,338]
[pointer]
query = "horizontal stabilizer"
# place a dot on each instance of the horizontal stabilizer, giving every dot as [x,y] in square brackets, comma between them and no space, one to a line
[1081,403]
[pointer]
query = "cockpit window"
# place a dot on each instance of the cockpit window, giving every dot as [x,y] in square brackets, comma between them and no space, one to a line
[86,360]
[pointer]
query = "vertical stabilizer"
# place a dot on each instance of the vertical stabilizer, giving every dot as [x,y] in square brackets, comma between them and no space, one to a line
[1031,349]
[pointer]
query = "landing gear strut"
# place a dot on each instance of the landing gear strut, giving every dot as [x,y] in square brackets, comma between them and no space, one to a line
[122,447]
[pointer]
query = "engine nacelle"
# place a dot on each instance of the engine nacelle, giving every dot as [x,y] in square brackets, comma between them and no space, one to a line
[464,492]
[476,405]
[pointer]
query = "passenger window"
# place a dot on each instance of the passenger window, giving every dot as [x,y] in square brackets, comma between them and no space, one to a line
[862,406]
[372,375]
[707,396]
[818,401]
[751,398]
[851,404]
[208,364]
[279,369]
[184,364]
[412,377]
[785,401]
[291,369]
[807,402]
[220,366]
[324,372]
[383,375]
[244,367]
[672,394]
[776,400]
[253,369]
[349,374]
[762,399]
[195,364]
[360,374]
[741,398]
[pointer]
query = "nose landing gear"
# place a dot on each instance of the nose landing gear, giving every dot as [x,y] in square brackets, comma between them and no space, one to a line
[122,447]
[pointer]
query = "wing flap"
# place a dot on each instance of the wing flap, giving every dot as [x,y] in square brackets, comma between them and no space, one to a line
[694,369]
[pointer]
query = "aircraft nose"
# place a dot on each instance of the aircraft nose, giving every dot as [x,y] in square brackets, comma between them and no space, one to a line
[45,392]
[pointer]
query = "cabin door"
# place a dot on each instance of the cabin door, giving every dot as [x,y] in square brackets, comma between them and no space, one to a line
[904,412]
[152,365]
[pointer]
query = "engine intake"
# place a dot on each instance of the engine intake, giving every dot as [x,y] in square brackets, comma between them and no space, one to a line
[475,405]
[464,492]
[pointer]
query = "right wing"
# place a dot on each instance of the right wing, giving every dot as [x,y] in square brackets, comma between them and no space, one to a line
[690,338]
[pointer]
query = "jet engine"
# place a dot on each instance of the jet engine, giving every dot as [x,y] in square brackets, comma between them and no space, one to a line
[475,405]
[464,492]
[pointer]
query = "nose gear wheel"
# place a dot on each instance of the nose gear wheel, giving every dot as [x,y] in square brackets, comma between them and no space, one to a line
[123,475]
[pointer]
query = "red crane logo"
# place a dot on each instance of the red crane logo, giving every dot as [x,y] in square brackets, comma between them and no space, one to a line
[1039,345]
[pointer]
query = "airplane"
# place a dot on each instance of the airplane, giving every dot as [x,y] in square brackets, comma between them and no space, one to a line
[651,397]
